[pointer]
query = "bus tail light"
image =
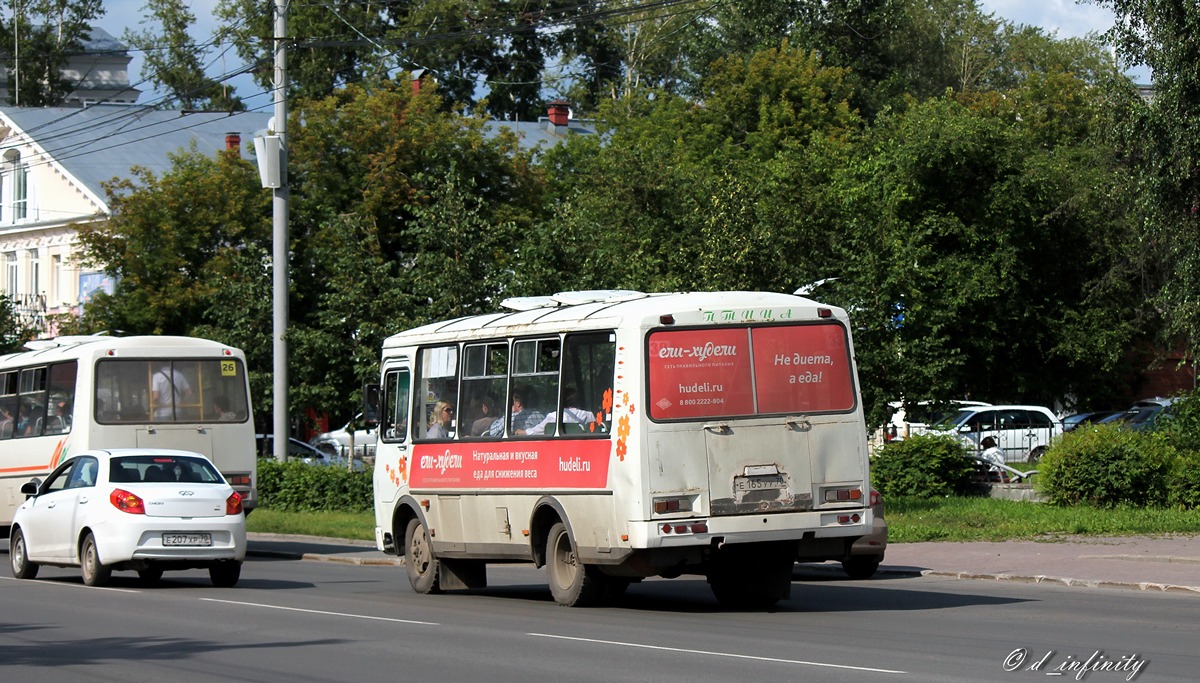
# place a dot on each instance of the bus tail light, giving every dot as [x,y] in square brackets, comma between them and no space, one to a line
[233,504]
[842,495]
[684,528]
[672,504]
[849,519]
[238,479]
[127,502]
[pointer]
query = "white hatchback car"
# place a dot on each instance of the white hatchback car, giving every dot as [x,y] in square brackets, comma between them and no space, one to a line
[147,510]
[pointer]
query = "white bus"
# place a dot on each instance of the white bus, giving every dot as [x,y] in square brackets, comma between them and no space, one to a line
[70,394]
[616,435]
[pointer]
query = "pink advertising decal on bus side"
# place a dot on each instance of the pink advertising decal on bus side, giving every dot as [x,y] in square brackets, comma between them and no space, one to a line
[511,464]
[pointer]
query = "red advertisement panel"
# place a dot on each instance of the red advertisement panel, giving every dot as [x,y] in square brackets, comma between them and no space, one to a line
[699,373]
[802,368]
[549,464]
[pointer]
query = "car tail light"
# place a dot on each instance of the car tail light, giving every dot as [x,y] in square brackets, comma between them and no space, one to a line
[127,502]
[233,504]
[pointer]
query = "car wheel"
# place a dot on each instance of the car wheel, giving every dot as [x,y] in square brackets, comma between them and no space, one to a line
[22,568]
[225,574]
[95,573]
[1036,454]
[151,575]
[860,567]
[419,561]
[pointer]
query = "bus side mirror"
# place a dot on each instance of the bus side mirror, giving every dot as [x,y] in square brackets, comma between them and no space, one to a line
[371,400]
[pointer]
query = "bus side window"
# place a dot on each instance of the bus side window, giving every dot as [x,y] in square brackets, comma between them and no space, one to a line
[437,388]
[394,417]
[589,361]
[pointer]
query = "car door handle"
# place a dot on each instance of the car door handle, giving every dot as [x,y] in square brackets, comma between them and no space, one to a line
[83,500]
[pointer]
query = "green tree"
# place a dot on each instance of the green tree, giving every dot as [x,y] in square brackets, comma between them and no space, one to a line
[37,44]
[984,251]
[14,330]
[169,252]
[174,62]
[330,43]
[1161,140]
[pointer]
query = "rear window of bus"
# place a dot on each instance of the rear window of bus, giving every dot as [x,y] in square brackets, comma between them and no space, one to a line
[741,371]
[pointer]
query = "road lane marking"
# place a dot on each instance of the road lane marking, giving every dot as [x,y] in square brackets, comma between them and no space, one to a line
[55,582]
[322,612]
[731,655]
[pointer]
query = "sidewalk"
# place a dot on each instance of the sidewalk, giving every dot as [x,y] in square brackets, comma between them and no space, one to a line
[1159,563]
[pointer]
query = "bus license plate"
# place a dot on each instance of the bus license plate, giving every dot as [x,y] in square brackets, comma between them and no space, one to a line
[187,539]
[759,483]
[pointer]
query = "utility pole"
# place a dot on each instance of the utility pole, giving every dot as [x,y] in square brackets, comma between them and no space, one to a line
[279,207]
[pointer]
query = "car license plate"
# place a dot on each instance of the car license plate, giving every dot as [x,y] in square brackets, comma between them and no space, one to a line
[759,483]
[187,539]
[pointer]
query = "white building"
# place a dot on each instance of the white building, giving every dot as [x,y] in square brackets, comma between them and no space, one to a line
[53,162]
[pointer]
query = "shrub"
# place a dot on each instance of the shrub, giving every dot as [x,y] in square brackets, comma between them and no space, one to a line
[1185,481]
[297,487]
[1107,466]
[926,465]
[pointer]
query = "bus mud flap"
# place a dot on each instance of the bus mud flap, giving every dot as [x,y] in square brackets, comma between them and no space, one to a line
[461,574]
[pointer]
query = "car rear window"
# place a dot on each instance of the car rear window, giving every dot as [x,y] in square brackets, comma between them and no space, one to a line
[160,468]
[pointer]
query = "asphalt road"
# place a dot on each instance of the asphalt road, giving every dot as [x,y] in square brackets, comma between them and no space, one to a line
[325,621]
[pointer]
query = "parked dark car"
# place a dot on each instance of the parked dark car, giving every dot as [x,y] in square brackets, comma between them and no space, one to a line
[297,450]
[1072,421]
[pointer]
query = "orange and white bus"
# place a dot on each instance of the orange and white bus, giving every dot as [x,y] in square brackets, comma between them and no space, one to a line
[613,435]
[71,394]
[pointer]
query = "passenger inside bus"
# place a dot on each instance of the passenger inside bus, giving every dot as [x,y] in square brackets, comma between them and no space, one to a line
[524,417]
[441,423]
[572,415]
[6,422]
[486,410]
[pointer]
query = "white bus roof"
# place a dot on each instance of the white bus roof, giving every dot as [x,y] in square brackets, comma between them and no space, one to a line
[40,350]
[598,309]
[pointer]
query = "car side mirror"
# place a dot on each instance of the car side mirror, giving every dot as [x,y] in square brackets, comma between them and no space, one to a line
[30,488]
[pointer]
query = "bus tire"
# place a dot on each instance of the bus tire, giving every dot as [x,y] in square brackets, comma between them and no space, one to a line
[95,572]
[753,577]
[419,561]
[572,583]
[22,568]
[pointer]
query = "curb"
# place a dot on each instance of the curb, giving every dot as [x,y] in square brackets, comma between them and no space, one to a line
[1069,582]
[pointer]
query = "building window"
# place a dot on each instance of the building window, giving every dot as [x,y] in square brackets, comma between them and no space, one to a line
[20,191]
[35,272]
[11,272]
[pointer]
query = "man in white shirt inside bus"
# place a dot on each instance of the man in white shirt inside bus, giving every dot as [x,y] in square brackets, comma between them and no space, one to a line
[169,388]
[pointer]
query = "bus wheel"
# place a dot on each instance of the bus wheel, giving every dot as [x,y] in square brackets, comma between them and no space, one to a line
[22,568]
[94,572]
[753,577]
[572,583]
[419,562]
